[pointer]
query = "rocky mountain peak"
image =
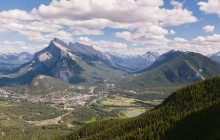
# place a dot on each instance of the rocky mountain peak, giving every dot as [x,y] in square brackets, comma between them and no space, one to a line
[86,51]
[216,54]
[69,62]
[56,50]
[163,59]
[151,56]
[57,43]
[81,48]
[56,40]
[151,53]
[169,55]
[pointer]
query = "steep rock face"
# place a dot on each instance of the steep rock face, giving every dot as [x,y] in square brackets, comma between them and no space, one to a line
[86,51]
[73,63]
[57,61]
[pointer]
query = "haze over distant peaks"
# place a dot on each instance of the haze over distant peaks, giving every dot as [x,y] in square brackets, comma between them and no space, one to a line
[172,69]
[134,62]
[164,58]
[8,57]
[215,56]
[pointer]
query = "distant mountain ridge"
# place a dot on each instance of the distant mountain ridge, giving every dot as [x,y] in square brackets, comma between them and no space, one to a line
[166,57]
[172,69]
[136,62]
[78,63]
[10,61]
[15,58]
[73,63]
[215,56]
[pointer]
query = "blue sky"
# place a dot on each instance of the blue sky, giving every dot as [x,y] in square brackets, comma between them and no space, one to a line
[121,26]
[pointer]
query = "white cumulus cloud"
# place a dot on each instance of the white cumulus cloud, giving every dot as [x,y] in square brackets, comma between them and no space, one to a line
[102,45]
[208,28]
[85,31]
[13,42]
[152,35]
[179,39]
[172,32]
[144,21]
[210,7]
[16,14]
[113,13]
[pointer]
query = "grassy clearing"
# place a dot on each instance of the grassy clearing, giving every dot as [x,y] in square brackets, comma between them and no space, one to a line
[92,120]
[119,101]
[154,102]
[5,104]
[124,113]
[30,111]
[49,121]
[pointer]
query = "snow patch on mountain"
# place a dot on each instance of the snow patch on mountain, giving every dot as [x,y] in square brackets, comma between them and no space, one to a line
[215,56]
[148,56]
[151,56]
[41,76]
[134,62]
[9,57]
[60,46]
[44,56]
[72,56]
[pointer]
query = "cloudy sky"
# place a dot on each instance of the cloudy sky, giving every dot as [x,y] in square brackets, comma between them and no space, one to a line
[123,26]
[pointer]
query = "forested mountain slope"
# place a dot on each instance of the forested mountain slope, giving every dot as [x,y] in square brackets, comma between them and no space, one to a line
[191,112]
[180,70]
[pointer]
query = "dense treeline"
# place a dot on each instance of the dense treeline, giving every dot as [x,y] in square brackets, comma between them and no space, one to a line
[29,111]
[173,119]
[204,124]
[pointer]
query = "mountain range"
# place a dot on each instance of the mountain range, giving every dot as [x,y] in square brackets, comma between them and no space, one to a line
[15,58]
[136,62]
[78,63]
[174,68]
[215,56]
[72,63]
[9,61]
